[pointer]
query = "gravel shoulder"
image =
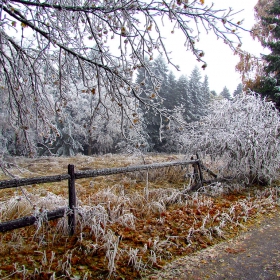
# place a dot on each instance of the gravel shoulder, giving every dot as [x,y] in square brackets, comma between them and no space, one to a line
[255,254]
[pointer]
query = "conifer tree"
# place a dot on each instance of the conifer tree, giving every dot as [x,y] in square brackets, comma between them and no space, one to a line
[270,84]
[182,91]
[152,118]
[213,93]
[196,95]
[238,90]
[206,92]
[225,93]
[173,98]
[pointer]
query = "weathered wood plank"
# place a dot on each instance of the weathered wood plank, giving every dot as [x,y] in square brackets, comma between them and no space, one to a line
[86,174]
[119,170]
[30,181]
[30,220]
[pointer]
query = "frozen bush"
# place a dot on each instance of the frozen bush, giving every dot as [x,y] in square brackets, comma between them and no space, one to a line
[243,134]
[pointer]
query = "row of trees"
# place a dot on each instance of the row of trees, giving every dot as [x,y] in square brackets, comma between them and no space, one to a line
[188,97]
[185,100]
[80,126]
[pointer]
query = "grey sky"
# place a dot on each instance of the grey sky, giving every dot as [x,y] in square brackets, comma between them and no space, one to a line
[220,59]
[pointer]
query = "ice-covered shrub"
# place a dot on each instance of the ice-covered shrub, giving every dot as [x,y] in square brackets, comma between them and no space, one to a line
[243,134]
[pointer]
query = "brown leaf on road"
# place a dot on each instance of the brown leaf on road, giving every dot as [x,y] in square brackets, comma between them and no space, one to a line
[234,250]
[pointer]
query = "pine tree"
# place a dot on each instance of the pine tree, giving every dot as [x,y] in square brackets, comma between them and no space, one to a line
[172,97]
[196,95]
[183,94]
[225,93]
[160,70]
[238,90]
[206,92]
[213,93]
[152,118]
[143,78]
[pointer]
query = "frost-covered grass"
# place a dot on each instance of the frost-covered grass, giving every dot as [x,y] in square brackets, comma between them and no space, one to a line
[127,225]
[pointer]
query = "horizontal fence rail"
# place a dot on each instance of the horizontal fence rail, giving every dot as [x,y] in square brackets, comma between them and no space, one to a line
[88,174]
[71,177]
[30,181]
[119,170]
[31,220]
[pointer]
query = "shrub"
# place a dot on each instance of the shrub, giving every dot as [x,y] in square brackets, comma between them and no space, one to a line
[243,134]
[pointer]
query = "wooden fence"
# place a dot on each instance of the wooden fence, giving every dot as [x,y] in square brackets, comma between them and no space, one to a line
[71,177]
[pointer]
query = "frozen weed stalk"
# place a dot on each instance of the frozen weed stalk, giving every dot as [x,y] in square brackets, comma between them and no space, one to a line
[15,207]
[153,257]
[111,248]
[51,260]
[218,231]
[65,264]
[190,235]
[157,206]
[41,224]
[127,220]
[132,253]
[134,260]
[94,217]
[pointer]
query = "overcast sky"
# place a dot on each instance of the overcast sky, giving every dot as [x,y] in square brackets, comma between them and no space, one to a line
[220,59]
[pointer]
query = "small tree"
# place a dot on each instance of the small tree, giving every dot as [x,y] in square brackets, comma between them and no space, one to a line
[243,134]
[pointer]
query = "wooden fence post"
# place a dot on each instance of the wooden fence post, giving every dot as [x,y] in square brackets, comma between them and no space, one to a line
[198,176]
[200,171]
[72,199]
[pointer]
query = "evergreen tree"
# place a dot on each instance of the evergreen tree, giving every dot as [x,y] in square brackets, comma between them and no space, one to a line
[143,78]
[206,92]
[196,94]
[183,94]
[173,131]
[269,84]
[172,97]
[152,118]
[238,90]
[213,93]
[225,93]
[160,70]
